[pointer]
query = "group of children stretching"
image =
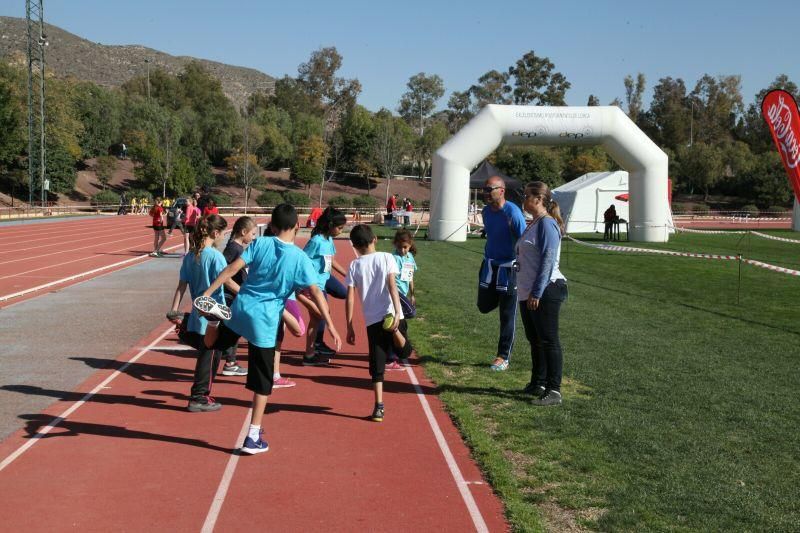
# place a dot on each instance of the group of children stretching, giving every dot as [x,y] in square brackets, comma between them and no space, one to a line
[256,288]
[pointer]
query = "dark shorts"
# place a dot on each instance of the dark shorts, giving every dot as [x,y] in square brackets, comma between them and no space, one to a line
[189,229]
[380,344]
[261,366]
[261,361]
[158,228]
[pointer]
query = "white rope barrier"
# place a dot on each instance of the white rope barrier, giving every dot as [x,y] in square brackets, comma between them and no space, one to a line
[674,253]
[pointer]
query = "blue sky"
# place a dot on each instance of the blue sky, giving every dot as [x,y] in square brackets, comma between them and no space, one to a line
[594,44]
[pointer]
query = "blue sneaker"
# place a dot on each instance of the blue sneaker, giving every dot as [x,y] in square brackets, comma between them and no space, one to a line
[252,447]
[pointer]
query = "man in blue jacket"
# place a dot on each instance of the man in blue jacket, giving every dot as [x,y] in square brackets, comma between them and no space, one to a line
[497,288]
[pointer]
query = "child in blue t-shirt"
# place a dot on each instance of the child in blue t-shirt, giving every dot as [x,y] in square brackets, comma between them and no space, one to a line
[321,250]
[200,267]
[277,268]
[404,251]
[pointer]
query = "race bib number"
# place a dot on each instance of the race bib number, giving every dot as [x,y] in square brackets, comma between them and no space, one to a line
[328,263]
[407,273]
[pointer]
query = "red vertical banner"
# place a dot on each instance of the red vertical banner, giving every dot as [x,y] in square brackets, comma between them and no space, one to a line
[779,109]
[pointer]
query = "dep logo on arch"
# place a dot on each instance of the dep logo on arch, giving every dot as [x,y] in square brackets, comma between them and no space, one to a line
[576,135]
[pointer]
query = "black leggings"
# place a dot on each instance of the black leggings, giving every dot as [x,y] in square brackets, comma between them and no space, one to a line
[541,329]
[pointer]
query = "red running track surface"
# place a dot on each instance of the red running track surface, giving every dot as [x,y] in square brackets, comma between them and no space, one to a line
[131,458]
[55,254]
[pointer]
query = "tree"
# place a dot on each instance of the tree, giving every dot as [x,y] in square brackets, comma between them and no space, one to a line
[754,130]
[332,94]
[245,171]
[357,132]
[217,119]
[584,161]
[718,104]
[309,162]
[105,167]
[434,137]
[459,110]
[492,88]
[420,100]
[593,101]
[769,182]
[99,111]
[665,121]
[13,134]
[276,149]
[701,165]
[529,163]
[634,91]
[291,96]
[393,140]
[536,83]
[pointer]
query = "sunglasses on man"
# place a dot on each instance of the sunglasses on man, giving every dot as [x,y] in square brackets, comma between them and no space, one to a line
[490,189]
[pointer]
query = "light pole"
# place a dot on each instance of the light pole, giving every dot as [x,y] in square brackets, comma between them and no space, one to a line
[147,62]
[691,124]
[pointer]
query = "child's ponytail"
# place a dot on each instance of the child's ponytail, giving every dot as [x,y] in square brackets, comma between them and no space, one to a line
[205,226]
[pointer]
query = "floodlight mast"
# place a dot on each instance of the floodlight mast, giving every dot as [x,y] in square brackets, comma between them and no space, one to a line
[37,148]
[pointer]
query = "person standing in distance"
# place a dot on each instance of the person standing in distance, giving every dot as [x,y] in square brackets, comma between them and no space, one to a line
[504,223]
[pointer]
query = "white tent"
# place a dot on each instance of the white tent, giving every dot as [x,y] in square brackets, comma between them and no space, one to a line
[584,200]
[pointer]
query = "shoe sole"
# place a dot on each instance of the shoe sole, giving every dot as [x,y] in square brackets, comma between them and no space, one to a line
[203,409]
[209,306]
[376,419]
[253,451]
[284,386]
[229,373]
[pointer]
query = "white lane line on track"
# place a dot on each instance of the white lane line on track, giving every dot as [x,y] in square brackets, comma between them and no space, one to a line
[59,228]
[70,250]
[227,477]
[463,486]
[75,406]
[60,241]
[7,297]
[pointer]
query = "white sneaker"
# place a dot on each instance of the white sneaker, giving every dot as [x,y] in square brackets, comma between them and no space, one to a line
[209,306]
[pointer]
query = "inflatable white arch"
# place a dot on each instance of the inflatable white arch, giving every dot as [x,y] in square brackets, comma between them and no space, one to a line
[604,125]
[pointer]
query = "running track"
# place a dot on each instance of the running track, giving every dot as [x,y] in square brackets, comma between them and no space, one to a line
[121,453]
[46,256]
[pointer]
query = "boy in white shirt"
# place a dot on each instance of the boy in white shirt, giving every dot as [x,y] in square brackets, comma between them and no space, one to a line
[373,274]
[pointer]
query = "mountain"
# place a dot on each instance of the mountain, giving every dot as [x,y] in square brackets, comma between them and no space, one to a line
[68,55]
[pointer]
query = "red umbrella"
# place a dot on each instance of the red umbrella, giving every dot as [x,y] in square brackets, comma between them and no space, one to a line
[622,197]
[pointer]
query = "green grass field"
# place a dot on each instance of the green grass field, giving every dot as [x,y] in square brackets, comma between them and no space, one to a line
[681,406]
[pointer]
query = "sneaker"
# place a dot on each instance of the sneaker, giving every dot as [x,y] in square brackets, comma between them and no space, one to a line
[283,383]
[315,360]
[377,414]
[153,254]
[206,405]
[160,254]
[405,362]
[234,370]
[252,447]
[551,397]
[324,349]
[534,390]
[209,306]
[499,365]
[394,365]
